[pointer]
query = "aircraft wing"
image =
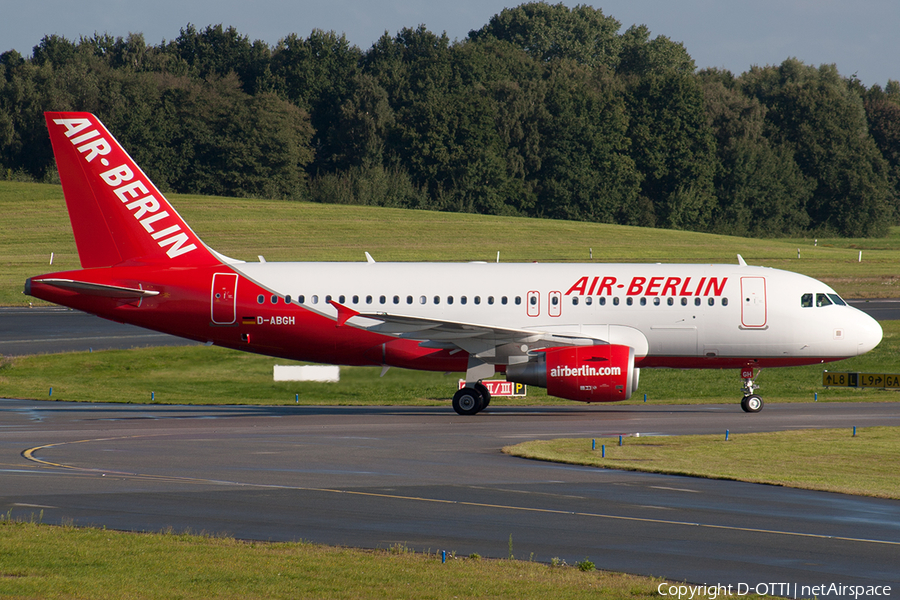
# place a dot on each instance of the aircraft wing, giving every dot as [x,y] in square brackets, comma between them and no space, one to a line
[475,338]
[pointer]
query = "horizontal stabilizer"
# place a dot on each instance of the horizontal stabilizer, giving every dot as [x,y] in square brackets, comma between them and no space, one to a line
[98,289]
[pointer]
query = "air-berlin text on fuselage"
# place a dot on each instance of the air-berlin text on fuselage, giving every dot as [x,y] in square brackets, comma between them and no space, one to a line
[584,371]
[649,286]
[134,194]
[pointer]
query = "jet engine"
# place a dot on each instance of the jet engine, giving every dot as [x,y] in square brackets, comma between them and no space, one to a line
[602,373]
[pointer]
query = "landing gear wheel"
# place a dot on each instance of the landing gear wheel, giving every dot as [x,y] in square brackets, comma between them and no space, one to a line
[485,394]
[752,403]
[467,401]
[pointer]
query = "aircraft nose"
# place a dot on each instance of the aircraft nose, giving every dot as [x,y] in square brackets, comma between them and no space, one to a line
[868,333]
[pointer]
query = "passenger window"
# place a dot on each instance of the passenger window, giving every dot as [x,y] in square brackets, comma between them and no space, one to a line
[396,299]
[315,299]
[274,299]
[711,301]
[533,300]
[629,301]
[437,299]
[724,301]
[341,299]
[382,299]
[806,301]
[449,299]
[355,299]
[301,299]
[422,299]
[490,299]
[837,299]
[656,301]
[503,300]
[574,300]
[589,300]
[696,301]
[477,299]
[518,300]
[368,299]
[554,300]
[616,301]
[463,300]
[643,301]
[327,298]
[822,300]
[670,301]
[684,301]
[287,299]
[260,299]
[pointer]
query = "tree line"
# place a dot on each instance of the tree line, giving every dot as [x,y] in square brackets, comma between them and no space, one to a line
[546,111]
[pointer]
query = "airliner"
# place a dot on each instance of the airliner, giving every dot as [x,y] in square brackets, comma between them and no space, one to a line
[582,331]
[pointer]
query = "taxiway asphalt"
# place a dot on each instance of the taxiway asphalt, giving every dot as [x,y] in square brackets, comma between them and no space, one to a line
[429,479]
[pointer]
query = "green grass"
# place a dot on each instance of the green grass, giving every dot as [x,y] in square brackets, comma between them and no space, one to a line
[38,561]
[824,459]
[35,223]
[210,375]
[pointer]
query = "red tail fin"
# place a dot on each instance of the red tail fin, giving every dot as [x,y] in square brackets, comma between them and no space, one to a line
[117,213]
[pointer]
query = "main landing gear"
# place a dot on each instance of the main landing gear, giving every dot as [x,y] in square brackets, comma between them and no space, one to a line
[751,402]
[471,399]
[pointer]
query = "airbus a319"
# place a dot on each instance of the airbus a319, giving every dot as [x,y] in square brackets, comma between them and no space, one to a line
[582,331]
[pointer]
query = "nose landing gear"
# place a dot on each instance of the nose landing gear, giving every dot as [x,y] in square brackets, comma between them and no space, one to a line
[751,402]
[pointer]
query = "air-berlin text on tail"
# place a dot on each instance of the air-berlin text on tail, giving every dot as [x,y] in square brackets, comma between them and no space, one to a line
[132,192]
[649,286]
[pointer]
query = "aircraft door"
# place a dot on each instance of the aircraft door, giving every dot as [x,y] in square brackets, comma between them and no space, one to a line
[753,302]
[223,298]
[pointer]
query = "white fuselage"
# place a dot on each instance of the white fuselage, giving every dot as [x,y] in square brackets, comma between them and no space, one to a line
[687,315]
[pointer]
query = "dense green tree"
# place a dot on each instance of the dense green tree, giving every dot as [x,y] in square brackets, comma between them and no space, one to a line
[639,55]
[586,172]
[673,148]
[818,114]
[759,188]
[547,32]
[883,113]
[218,51]
[317,74]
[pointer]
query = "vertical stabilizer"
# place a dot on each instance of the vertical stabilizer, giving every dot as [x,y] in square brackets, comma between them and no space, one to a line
[117,213]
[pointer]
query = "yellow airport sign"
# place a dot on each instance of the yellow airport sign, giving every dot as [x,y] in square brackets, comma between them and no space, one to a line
[876,380]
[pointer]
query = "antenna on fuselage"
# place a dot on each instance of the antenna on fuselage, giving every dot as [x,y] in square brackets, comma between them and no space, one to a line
[369,258]
[741,261]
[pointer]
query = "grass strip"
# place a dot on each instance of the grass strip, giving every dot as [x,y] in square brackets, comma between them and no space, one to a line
[832,460]
[210,375]
[40,561]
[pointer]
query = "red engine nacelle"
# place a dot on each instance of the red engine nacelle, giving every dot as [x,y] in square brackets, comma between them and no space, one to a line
[585,373]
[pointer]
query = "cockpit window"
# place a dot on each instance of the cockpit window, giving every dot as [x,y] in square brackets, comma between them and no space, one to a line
[837,299]
[822,300]
[806,301]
